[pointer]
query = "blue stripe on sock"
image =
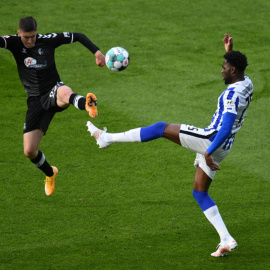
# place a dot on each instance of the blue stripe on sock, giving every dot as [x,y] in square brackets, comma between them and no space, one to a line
[152,132]
[203,199]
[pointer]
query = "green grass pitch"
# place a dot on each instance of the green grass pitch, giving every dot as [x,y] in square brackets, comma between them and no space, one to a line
[131,206]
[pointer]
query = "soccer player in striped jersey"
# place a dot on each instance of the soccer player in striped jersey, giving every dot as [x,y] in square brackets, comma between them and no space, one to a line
[211,144]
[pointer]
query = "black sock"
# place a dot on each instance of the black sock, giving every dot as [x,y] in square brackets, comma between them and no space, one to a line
[42,164]
[78,101]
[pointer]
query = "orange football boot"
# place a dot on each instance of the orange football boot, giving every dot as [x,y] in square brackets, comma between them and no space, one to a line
[50,182]
[91,105]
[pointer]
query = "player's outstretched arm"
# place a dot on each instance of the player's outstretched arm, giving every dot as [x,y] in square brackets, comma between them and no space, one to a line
[86,42]
[228,42]
[100,58]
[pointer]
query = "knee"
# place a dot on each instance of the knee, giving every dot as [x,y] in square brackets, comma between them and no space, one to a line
[160,126]
[203,199]
[152,132]
[64,93]
[30,153]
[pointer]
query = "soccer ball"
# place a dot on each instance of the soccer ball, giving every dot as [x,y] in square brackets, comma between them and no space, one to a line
[117,59]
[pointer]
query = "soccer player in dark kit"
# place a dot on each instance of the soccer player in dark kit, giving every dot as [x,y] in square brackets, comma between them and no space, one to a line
[47,94]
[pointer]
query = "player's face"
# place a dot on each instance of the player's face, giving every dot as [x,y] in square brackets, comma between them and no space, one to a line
[28,38]
[226,72]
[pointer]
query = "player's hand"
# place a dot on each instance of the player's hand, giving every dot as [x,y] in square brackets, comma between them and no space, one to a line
[210,162]
[228,42]
[100,58]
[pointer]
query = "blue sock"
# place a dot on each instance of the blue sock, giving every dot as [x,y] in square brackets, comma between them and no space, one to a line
[203,199]
[152,132]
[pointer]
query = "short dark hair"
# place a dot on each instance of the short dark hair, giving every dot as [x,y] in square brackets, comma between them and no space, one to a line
[237,60]
[28,24]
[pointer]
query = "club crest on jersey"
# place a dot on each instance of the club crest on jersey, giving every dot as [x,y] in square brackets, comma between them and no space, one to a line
[29,61]
[40,51]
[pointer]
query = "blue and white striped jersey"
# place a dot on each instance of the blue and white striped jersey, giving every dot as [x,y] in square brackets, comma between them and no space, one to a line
[235,99]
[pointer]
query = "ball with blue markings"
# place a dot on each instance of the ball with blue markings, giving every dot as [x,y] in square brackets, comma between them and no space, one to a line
[117,59]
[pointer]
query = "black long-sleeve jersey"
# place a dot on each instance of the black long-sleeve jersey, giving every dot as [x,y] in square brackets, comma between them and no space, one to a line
[36,66]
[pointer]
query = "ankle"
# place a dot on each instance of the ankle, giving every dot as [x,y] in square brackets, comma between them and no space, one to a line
[226,238]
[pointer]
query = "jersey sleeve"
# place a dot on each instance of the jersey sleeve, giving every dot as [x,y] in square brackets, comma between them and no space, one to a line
[3,43]
[7,42]
[86,42]
[58,39]
[223,133]
[229,106]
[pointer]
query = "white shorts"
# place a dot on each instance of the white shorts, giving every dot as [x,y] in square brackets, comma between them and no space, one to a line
[197,140]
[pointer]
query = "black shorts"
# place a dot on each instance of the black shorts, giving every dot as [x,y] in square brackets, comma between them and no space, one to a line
[41,110]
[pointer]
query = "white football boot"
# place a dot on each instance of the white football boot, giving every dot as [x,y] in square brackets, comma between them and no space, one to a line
[98,134]
[224,248]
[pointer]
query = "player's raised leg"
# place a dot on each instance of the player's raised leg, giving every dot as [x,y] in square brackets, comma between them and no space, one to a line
[65,97]
[141,134]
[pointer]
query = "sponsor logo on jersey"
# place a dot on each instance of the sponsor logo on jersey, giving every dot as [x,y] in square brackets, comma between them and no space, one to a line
[24,50]
[40,51]
[32,63]
[29,61]
[229,104]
